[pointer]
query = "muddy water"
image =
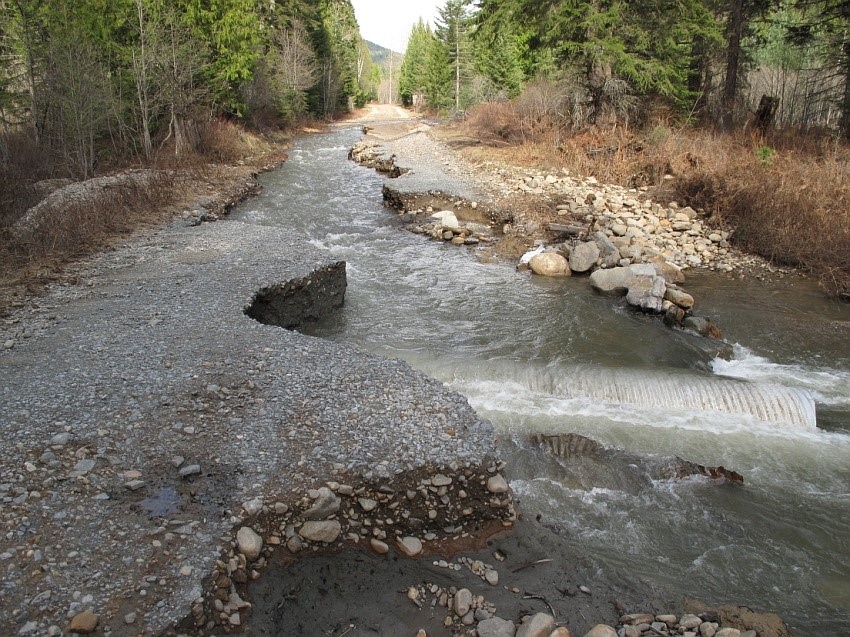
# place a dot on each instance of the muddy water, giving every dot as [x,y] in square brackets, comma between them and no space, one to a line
[536,355]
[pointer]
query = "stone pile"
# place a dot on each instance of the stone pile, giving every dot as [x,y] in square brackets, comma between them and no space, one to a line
[439,505]
[472,615]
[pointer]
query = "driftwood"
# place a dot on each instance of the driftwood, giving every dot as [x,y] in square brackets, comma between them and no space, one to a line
[563,228]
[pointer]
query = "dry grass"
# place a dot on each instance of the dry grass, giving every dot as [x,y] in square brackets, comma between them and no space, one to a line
[87,217]
[786,197]
[72,227]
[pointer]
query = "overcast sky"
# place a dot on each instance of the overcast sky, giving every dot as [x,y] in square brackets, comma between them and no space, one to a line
[388,22]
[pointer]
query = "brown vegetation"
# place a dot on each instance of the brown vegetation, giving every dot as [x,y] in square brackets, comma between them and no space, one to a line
[786,196]
[45,222]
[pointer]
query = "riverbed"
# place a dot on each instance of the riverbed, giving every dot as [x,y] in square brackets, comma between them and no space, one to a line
[530,353]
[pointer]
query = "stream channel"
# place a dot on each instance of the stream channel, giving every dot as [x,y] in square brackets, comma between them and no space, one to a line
[531,353]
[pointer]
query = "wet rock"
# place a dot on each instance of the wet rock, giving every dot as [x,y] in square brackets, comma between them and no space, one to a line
[538,625]
[250,544]
[549,264]
[320,531]
[679,297]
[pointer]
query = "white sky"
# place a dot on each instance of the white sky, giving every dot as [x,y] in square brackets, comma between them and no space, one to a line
[388,22]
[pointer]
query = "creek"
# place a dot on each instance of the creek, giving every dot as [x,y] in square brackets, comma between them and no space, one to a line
[535,355]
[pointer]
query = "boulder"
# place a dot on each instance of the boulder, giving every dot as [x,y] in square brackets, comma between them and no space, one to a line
[647,289]
[608,252]
[584,256]
[538,625]
[549,264]
[612,281]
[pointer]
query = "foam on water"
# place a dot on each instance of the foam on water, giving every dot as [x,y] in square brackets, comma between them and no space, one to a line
[828,387]
[657,398]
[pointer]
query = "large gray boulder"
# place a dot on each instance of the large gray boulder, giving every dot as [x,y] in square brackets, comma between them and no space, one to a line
[612,281]
[584,256]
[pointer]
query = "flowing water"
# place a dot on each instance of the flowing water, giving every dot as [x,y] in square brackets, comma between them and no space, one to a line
[544,355]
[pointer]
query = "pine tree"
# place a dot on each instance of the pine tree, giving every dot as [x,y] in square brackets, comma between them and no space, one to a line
[453,32]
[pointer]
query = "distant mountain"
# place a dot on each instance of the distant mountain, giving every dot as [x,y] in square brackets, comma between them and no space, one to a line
[380,54]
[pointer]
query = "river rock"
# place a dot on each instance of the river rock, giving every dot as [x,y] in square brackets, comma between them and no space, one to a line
[679,297]
[496,627]
[561,631]
[608,252]
[250,544]
[612,281]
[83,623]
[728,632]
[462,602]
[584,256]
[538,625]
[601,630]
[647,289]
[320,531]
[447,219]
[325,505]
[497,484]
[549,264]
[381,548]
[410,546]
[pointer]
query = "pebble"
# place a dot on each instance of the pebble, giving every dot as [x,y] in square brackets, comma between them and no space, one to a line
[462,602]
[84,623]
[601,630]
[497,484]
[496,627]
[537,625]
[253,507]
[190,470]
[409,545]
[381,548]
[249,542]
[326,531]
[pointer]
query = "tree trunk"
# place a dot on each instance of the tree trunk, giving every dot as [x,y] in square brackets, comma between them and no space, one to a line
[845,103]
[735,31]
[766,113]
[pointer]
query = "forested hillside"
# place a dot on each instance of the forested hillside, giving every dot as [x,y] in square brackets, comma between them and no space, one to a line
[784,61]
[88,81]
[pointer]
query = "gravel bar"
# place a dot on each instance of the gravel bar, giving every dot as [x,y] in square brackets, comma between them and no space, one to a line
[141,406]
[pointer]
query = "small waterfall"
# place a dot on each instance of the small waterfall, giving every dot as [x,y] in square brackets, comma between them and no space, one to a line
[775,404]
[668,391]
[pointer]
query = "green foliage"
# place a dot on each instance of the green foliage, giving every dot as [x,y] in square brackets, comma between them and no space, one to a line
[765,154]
[414,77]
